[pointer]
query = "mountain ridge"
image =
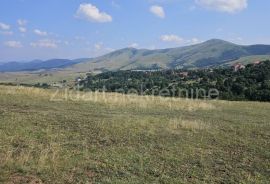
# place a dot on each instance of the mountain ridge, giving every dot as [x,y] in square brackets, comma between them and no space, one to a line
[38,65]
[211,53]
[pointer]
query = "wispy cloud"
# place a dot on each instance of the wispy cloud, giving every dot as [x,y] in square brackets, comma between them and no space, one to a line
[4,26]
[22,22]
[229,6]
[40,33]
[158,11]
[22,29]
[46,43]
[134,45]
[92,13]
[179,40]
[172,38]
[13,44]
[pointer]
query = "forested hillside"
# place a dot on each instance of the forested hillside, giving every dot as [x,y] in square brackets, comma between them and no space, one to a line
[250,82]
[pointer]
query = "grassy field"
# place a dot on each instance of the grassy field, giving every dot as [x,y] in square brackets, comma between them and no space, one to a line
[250,59]
[49,77]
[48,137]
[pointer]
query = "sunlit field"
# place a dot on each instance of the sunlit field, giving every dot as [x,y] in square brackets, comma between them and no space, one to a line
[49,136]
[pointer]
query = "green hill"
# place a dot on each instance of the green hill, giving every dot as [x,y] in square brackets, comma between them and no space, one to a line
[112,138]
[208,54]
[212,53]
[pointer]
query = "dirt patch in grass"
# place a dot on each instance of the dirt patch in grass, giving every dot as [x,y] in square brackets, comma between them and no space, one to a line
[20,179]
[177,124]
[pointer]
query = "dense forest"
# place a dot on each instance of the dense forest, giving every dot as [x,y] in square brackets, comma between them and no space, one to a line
[250,82]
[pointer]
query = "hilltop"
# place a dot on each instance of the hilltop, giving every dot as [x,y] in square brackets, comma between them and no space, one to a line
[212,53]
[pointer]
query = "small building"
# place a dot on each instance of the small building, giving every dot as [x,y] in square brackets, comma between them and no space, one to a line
[78,79]
[257,62]
[238,66]
[183,74]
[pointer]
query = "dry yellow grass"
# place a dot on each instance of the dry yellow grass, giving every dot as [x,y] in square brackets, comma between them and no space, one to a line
[178,124]
[114,99]
[70,137]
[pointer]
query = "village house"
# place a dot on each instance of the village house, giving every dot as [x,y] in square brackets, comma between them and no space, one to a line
[238,66]
[257,62]
[78,79]
[183,74]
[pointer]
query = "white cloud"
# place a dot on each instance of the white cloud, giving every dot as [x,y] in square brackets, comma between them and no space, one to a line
[22,29]
[22,22]
[229,6]
[134,45]
[179,40]
[40,33]
[172,38]
[158,11]
[4,26]
[13,44]
[46,43]
[92,13]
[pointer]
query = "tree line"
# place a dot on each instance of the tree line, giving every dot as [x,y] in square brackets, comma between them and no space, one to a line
[249,83]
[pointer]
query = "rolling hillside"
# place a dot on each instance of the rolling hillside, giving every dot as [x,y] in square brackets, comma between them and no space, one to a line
[113,138]
[211,53]
[208,54]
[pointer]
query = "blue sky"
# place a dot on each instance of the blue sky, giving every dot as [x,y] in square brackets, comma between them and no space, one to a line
[39,29]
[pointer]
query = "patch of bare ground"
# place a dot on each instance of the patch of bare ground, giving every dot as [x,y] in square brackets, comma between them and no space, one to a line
[20,179]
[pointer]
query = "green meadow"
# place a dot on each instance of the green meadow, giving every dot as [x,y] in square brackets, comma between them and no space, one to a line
[49,137]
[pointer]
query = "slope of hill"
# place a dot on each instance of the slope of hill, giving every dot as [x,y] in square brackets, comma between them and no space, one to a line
[211,53]
[208,54]
[38,65]
[252,82]
[112,138]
